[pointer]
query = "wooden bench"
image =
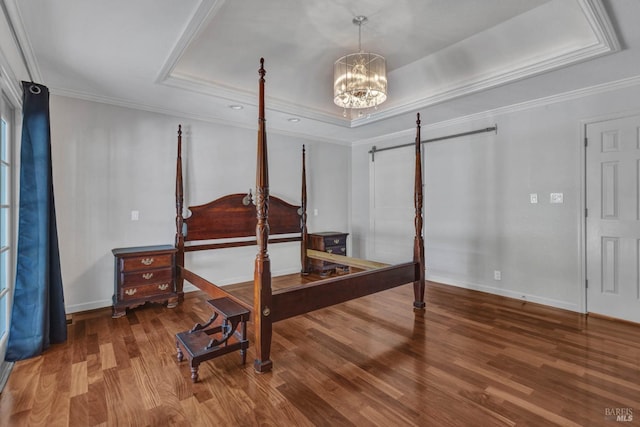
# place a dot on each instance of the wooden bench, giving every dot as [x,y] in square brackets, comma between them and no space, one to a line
[204,342]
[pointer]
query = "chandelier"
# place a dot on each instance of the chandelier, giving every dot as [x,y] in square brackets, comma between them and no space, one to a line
[359,79]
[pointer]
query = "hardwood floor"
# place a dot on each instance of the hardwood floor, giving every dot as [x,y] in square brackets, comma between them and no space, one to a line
[471,360]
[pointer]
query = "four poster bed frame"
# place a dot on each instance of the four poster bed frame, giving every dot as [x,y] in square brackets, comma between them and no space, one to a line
[235,216]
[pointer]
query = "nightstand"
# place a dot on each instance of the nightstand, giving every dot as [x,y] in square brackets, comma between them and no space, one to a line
[144,274]
[332,242]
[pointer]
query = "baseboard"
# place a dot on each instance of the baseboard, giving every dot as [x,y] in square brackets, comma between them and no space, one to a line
[613,319]
[88,306]
[5,370]
[506,293]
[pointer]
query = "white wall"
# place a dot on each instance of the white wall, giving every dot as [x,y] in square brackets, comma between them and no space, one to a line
[478,217]
[108,161]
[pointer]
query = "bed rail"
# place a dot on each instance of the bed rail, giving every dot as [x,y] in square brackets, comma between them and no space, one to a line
[207,246]
[214,291]
[325,293]
[364,264]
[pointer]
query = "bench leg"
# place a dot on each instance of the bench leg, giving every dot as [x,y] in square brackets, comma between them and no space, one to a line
[180,356]
[194,372]
[243,349]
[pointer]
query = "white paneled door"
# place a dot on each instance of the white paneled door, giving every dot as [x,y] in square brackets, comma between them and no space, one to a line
[613,218]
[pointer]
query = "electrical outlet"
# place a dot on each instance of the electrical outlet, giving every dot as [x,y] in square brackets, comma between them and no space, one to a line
[556,198]
[497,275]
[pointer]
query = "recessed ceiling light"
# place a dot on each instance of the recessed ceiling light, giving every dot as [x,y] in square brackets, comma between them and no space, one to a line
[236,107]
[294,120]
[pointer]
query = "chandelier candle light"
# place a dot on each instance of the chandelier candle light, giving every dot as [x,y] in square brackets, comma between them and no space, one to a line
[359,79]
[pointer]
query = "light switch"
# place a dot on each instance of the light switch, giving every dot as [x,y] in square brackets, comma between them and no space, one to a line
[556,198]
[533,197]
[135,215]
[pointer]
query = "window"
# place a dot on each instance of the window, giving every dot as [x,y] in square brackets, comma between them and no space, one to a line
[7,223]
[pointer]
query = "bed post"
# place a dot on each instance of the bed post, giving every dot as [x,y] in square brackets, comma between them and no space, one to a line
[303,218]
[262,268]
[418,244]
[179,236]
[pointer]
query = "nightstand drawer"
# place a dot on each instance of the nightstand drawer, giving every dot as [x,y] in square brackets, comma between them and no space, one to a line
[147,277]
[338,250]
[340,240]
[144,291]
[146,262]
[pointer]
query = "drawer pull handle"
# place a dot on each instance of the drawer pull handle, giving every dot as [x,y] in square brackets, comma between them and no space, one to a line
[163,287]
[336,241]
[131,291]
[147,276]
[147,261]
[343,249]
[329,251]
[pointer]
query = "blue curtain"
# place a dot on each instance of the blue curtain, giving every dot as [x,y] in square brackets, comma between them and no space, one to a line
[38,318]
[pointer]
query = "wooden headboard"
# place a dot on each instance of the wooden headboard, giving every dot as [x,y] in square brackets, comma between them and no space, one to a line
[234,215]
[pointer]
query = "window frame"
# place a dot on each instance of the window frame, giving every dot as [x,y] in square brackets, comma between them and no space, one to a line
[10,107]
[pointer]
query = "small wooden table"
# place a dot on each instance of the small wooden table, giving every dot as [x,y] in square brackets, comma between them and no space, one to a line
[201,344]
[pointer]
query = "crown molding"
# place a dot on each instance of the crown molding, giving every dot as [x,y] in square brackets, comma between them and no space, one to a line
[592,10]
[600,23]
[513,108]
[601,27]
[490,82]
[204,14]
[408,133]
[249,98]
[118,102]
[23,40]
[548,100]
[9,82]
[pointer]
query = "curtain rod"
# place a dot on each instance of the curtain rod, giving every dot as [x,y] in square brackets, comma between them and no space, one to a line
[15,38]
[375,150]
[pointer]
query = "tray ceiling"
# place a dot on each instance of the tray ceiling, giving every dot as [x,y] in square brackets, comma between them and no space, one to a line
[197,57]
